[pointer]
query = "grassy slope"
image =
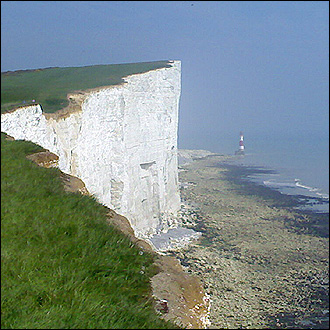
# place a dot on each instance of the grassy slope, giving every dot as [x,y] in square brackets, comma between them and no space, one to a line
[62,266]
[50,86]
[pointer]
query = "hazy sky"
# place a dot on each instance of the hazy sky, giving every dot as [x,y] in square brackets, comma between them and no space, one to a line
[261,67]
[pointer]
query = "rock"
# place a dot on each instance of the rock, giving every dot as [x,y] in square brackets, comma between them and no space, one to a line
[188,304]
[173,239]
[120,140]
[162,306]
[44,158]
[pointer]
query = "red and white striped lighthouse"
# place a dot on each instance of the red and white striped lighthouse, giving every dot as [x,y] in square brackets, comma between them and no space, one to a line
[241,142]
[240,151]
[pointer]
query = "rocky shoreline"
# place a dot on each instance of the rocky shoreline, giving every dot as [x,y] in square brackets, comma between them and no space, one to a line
[264,264]
[237,260]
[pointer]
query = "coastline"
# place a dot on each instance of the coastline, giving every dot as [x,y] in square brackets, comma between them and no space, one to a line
[260,263]
[263,262]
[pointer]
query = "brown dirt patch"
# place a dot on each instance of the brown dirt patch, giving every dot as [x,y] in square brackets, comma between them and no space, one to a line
[183,293]
[44,159]
[75,101]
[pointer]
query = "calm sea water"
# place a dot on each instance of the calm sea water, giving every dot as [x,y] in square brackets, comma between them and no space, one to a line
[300,162]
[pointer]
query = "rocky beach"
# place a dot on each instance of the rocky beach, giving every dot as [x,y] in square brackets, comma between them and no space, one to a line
[263,262]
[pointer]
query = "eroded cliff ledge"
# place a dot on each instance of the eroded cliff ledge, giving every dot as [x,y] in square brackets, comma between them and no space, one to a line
[120,140]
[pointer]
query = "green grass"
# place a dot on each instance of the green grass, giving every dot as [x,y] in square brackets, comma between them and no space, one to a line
[50,86]
[62,265]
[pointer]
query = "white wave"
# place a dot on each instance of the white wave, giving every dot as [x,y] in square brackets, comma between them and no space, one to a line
[296,184]
[279,184]
[311,189]
[325,196]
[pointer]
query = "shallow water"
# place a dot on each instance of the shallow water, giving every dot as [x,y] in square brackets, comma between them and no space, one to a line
[174,238]
[300,162]
[281,179]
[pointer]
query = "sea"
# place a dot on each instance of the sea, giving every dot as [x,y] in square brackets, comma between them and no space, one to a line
[298,164]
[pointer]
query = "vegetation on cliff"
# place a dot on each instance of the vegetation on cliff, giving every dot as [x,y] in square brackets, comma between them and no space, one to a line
[50,86]
[63,265]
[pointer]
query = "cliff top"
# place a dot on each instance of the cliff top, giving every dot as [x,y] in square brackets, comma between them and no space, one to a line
[50,86]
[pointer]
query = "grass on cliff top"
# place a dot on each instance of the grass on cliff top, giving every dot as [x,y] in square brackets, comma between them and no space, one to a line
[62,265]
[50,86]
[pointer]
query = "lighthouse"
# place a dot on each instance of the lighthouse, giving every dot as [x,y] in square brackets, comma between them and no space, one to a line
[241,141]
[240,151]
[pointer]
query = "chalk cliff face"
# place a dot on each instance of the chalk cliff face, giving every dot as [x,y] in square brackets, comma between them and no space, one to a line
[121,141]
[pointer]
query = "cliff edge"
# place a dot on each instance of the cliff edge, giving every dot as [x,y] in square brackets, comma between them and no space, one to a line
[120,140]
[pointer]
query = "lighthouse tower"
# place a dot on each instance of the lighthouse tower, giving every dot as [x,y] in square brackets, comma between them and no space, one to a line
[240,151]
[241,143]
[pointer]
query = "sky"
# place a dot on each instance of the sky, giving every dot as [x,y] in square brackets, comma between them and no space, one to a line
[261,67]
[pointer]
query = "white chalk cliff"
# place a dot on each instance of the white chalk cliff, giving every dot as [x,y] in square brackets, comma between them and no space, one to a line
[121,141]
